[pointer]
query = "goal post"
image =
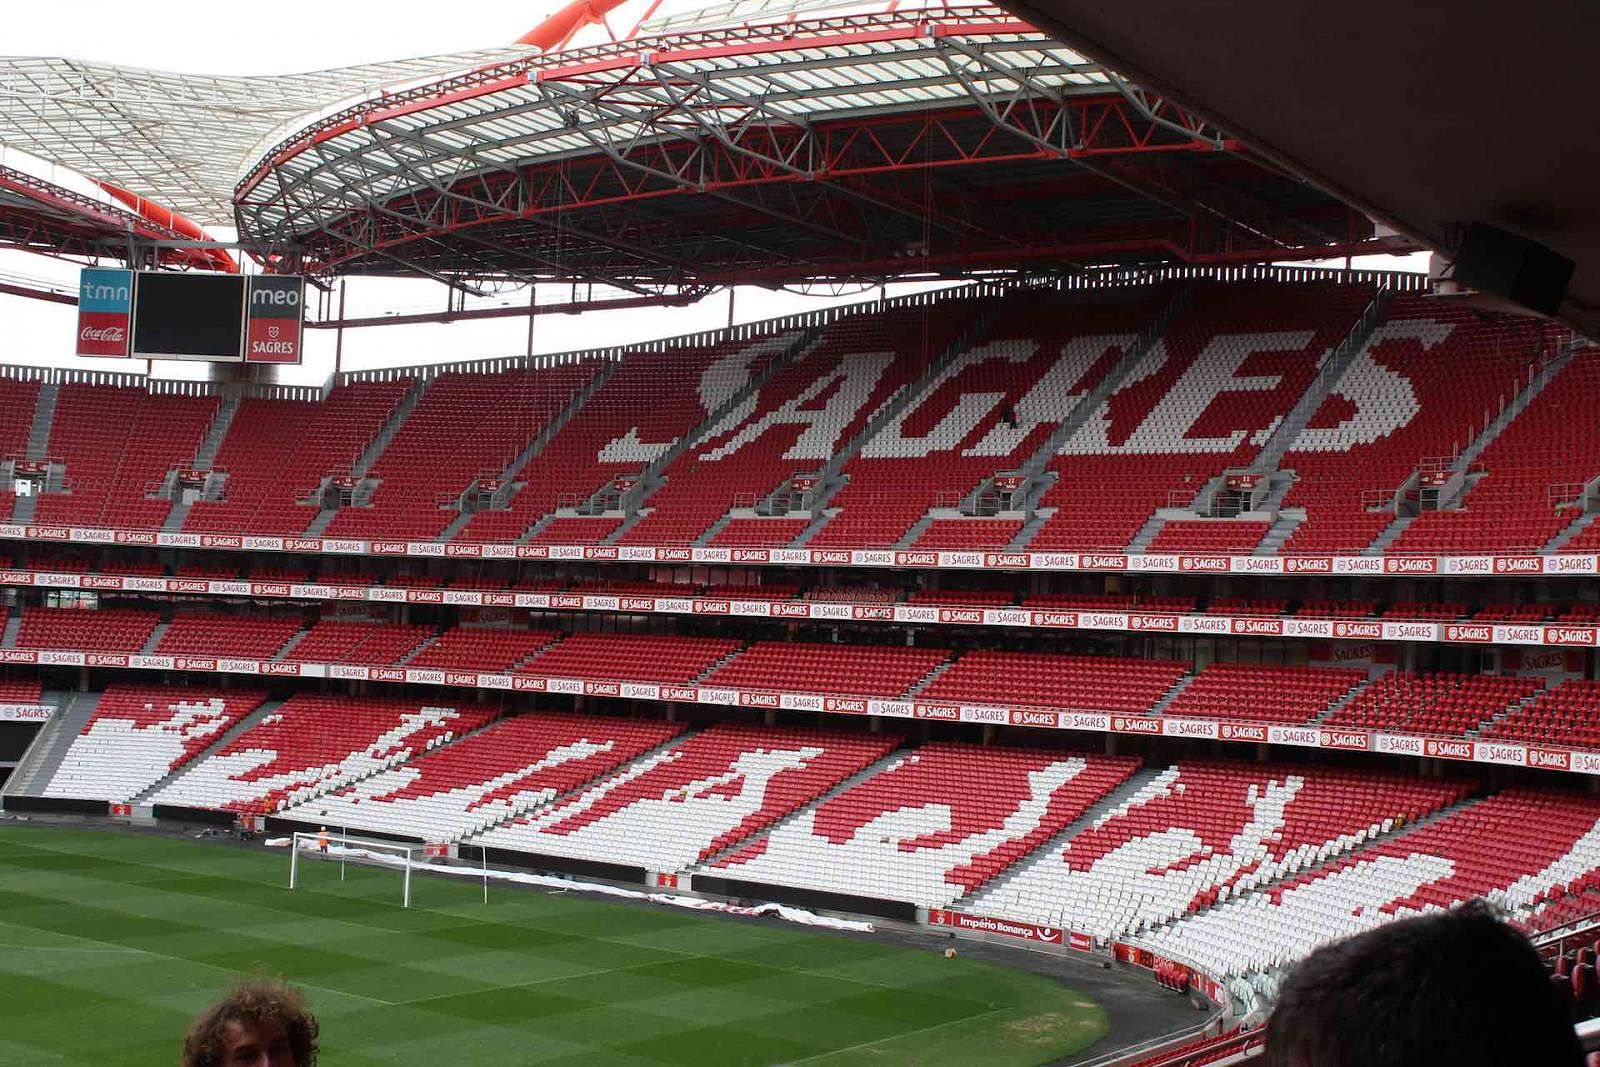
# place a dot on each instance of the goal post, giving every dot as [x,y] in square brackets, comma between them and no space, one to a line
[394,855]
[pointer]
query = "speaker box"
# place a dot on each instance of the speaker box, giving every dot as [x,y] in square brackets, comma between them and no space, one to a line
[1525,272]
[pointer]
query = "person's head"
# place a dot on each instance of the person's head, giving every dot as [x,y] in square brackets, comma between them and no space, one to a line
[260,1023]
[1458,987]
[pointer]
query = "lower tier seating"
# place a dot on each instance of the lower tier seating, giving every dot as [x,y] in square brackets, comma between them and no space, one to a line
[313,743]
[1511,848]
[139,734]
[511,767]
[685,804]
[934,825]
[1198,832]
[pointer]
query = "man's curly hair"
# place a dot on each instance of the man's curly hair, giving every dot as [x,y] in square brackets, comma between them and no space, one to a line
[258,1003]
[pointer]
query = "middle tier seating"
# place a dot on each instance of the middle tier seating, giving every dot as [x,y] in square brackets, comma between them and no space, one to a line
[376,644]
[139,734]
[934,825]
[687,803]
[482,648]
[1432,702]
[815,667]
[215,633]
[102,630]
[1264,694]
[1084,683]
[632,657]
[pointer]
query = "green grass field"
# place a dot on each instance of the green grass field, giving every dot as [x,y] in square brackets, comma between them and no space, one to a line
[110,942]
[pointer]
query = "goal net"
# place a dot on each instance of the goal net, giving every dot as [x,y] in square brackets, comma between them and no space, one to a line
[344,849]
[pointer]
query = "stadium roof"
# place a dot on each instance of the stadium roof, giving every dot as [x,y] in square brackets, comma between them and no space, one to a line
[180,139]
[1426,116]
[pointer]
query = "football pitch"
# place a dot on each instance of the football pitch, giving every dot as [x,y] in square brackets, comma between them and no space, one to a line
[111,942]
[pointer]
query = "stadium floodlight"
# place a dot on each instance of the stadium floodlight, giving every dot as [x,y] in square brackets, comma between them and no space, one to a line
[395,855]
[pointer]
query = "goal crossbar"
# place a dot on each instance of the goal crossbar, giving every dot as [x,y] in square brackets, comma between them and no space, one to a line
[345,848]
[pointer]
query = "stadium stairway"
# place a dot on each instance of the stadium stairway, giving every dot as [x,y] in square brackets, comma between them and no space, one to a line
[49,747]
[1576,527]
[204,457]
[224,738]
[1505,713]
[374,449]
[1160,706]
[44,414]
[13,627]
[652,478]
[531,450]
[154,640]
[1335,706]
[1035,472]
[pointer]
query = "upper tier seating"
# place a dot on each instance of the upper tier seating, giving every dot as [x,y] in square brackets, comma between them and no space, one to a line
[313,743]
[215,633]
[378,644]
[987,411]
[509,768]
[1084,683]
[936,824]
[1264,694]
[1200,831]
[688,803]
[139,734]
[1234,537]
[1426,382]
[482,648]
[641,410]
[1509,848]
[797,419]
[105,630]
[1202,400]
[1432,702]
[276,453]
[1568,714]
[1514,506]
[983,598]
[117,444]
[815,667]
[466,426]
[18,400]
[631,657]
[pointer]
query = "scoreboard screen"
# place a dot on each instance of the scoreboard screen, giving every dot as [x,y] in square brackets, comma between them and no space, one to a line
[189,316]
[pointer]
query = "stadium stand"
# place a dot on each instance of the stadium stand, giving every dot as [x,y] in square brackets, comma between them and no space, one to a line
[1432,702]
[1510,848]
[695,799]
[1199,832]
[629,657]
[350,641]
[919,831]
[513,766]
[139,734]
[18,399]
[1093,683]
[1566,714]
[812,667]
[215,633]
[105,630]
[1264,694]
[313,743]
[482,648]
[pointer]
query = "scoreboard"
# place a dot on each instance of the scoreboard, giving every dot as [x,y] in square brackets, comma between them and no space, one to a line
[224,318]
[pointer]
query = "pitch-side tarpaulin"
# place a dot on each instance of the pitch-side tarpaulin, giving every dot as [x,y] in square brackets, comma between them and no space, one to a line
[545,881]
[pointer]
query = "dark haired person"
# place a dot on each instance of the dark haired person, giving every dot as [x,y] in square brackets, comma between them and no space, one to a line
[260,1023]
[1459,988]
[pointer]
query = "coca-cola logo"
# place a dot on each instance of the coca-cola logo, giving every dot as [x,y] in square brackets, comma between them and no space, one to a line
[1005,559]
[1309,564]
[1135,724]
[751,555]
[1243,732]
[1457,632]
[1103,562]
[1207,564]
[1568,635]
[107,334]
[758,700]
[845,705]
[1448,749]
[1518,565]
[1345,739]
[1410,565]
[1024,717]
[916,559]
[1258,626]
